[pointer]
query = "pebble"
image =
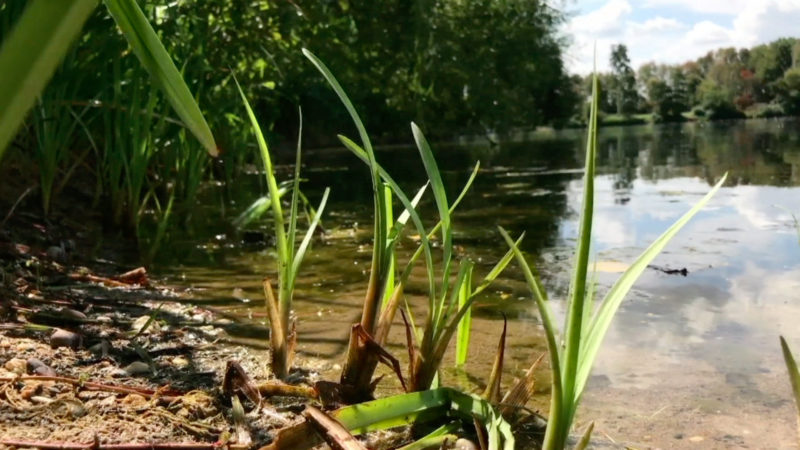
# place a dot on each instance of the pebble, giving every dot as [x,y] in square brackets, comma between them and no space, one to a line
[465,444]
[101,348]
[15,365]
[65,338]
[72,314]
[134,400]
[180,362]
[30,389]
[37,367]
[137,368]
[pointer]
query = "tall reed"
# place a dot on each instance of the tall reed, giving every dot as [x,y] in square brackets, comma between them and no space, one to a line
[289,256]
[449,299]
[572,353]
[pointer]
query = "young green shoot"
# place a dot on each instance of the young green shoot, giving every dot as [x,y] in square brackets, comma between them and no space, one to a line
[289,255]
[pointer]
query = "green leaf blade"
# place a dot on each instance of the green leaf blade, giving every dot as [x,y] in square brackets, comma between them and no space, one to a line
[154,57]
[30,55]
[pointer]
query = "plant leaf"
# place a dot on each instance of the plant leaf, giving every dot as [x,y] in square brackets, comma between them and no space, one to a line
[30,55]
[154,57]
[794,379]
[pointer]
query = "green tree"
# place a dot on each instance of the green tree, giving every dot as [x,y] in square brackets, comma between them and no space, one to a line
[624,85]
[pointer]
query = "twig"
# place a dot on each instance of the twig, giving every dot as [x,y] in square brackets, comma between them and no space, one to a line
[133,446]
[330,429]
[99,386]
[19,200]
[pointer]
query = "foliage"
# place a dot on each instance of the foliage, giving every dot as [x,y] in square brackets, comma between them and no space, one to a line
[289,258]
[449,300]
[442,404]
[586,321]
[31,56]
[623,89]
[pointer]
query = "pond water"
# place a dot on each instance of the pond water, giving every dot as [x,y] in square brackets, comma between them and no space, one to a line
[690,361]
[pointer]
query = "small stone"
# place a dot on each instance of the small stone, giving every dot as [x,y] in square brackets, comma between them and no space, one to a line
[101,348]
[57,253]
[72,314]
[30,389]
[134,400]
[137,368]
[465,444]
[15,365]
[696,439]
[65,338]
[40,399]
[37,367]
[180,362]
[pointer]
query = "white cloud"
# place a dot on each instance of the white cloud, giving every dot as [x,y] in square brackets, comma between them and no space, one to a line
[707,33]
[656,25]
[727,7]
[669,40]
[603,20]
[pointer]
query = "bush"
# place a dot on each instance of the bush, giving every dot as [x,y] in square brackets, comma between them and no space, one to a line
[769,110]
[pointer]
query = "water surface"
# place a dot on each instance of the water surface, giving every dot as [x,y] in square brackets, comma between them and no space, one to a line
[690,362]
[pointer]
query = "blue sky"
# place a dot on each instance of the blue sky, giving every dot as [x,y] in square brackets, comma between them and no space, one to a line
[671,31]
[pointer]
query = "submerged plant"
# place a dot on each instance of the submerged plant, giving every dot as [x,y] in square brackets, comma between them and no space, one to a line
[572,354]
[449,299]
[289,257]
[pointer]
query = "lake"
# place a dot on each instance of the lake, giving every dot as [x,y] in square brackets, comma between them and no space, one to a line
[691,361]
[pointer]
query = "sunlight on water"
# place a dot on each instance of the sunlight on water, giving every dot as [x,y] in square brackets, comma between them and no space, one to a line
[689,359]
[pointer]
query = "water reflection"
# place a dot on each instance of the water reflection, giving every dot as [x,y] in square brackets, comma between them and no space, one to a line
[692,356]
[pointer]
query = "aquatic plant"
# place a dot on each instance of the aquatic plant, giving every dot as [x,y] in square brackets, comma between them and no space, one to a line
[417,407]
[572,355]
[34,48]
[289,257]
[449,300]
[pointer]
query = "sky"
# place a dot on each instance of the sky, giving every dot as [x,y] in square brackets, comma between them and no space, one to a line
[671,31]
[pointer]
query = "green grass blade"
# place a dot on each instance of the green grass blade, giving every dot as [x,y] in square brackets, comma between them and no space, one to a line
[439,194]
[277,211]
[586,438]
[379,264]
[556,397]
[154,57]
[405,215]
[292,234]
[409,207]
[301,251]
[616,294]
[436,438]
[31,53]
[574,326]
[497,269]
[256,209]
[465,324]
[794,378]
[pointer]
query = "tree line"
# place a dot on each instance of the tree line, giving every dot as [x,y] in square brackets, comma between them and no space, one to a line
[763,81]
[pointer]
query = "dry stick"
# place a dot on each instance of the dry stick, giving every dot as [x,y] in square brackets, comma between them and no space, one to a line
[19,200]
[135,446]
[99,386]
[330,429]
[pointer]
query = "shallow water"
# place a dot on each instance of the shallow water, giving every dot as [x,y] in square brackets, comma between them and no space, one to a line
[690,362]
